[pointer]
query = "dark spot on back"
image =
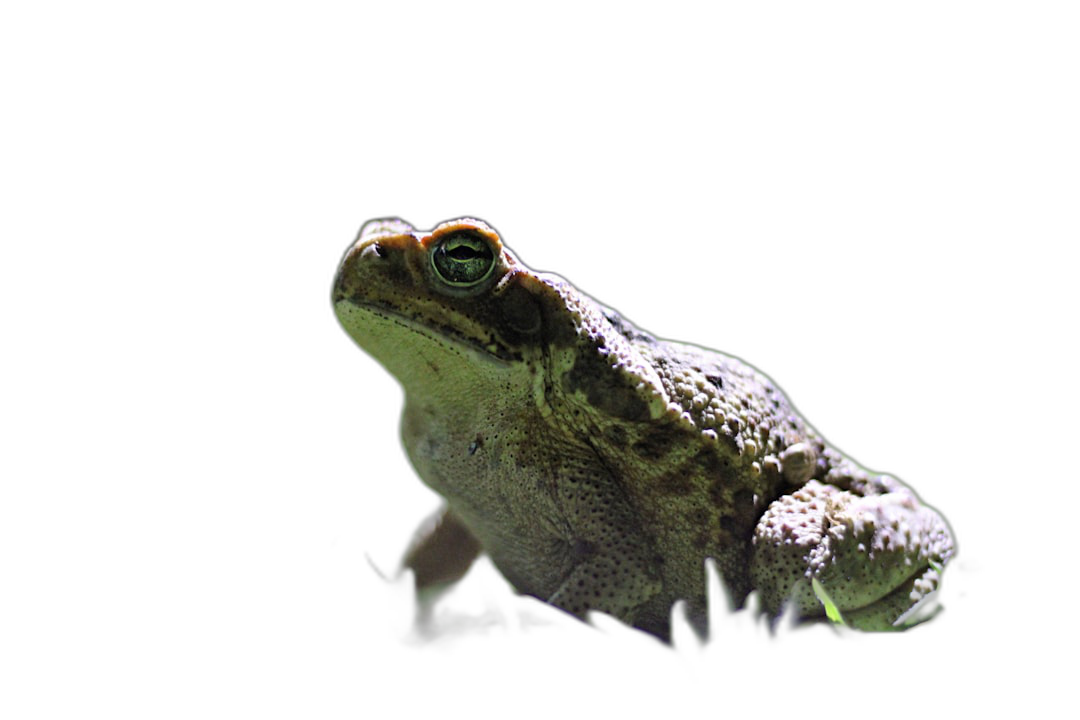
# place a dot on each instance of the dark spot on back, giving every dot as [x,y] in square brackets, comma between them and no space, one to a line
[653,446]
[616,435]
[605,388]
[675,483]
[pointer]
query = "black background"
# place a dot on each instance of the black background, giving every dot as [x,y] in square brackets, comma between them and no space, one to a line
[844,256]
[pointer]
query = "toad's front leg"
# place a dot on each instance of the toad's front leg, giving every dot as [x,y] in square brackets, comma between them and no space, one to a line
[874,551]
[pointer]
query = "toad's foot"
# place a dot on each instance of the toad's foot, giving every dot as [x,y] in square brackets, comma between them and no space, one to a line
[874,557]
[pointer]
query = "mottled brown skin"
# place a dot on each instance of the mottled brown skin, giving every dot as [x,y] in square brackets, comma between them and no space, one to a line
[600,466]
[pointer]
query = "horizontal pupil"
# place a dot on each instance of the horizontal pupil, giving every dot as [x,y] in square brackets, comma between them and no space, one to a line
[462,252]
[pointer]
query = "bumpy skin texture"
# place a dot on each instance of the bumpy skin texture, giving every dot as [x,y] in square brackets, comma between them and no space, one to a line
[600,466]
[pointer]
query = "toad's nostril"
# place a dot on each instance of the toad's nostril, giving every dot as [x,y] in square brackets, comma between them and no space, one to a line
[372,249]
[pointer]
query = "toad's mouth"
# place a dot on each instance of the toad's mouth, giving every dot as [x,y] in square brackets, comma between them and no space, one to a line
[374,324]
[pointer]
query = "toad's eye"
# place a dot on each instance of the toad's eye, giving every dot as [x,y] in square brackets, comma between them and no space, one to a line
[462,259]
